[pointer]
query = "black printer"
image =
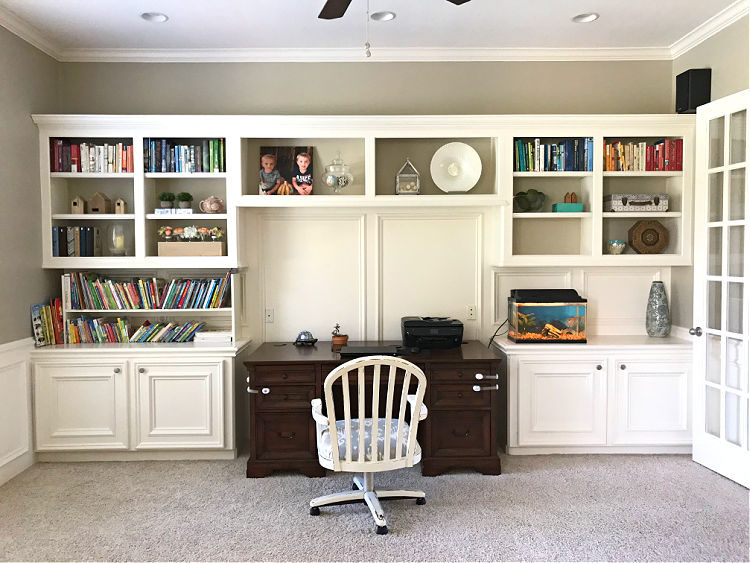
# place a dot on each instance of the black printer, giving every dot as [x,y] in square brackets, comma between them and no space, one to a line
[437,333]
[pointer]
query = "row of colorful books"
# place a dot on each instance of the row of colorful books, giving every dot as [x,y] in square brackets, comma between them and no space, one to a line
[89,291]
[164,155]
[568,155]
[97,331]
[76,241]
[663,155]
[90,157]
[169,332]
[47,323]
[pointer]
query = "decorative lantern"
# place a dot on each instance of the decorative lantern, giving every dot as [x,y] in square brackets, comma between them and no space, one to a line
[337,174]
[407,179]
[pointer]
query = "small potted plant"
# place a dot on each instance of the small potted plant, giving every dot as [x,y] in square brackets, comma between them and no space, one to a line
[217,234]
[167,199]
[165,231]
[184,200]
[338,340]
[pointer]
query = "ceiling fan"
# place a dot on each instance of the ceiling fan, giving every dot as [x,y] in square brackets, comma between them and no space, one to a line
[334,9]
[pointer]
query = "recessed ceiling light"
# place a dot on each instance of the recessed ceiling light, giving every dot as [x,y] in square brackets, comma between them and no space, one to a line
[156,17]
[586,18]
[382,16]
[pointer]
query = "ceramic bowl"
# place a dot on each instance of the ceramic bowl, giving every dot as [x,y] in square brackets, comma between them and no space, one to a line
[615,246]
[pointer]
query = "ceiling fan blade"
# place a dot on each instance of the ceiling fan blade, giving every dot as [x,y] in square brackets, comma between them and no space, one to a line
[458,2]
[334,9]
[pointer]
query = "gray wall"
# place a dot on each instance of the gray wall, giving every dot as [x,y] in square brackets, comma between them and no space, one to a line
[29,84]
[368,88]
[726,54]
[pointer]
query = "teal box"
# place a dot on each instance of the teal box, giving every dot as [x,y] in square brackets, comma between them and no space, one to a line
[567,207]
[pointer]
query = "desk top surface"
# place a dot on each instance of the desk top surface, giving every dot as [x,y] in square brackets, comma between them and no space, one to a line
[273,352]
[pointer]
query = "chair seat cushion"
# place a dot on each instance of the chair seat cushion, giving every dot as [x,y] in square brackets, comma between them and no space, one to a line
[325,449]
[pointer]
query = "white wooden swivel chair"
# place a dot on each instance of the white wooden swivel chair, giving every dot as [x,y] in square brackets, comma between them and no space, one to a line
[358,447]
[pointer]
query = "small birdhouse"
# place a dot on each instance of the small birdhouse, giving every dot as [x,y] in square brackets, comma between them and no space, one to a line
[100,203]
[407,179]
[120,206]
[78,205]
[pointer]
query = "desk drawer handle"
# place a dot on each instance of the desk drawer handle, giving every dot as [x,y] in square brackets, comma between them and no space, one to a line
[478,388]
[481,376]
[466,434]
[460,395]
[460,374]
[287,436]
[265,390]
[284,375]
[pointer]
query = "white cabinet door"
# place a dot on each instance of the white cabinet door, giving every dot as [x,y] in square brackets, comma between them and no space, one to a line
[562,403]
[81,405]
[651,402]
[179,405]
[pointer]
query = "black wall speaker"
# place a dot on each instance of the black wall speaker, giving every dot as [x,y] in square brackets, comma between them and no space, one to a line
[693,89]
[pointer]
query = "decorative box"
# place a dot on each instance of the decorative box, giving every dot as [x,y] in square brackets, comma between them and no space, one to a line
[191,248]
[407,179]
[567,207]
[546,315]
[636,202]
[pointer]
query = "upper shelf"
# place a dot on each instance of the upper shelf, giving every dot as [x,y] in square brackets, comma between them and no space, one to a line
[446,200]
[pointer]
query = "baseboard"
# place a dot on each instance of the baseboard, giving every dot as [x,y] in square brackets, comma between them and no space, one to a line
[178,455]
[15,466]
[544,450]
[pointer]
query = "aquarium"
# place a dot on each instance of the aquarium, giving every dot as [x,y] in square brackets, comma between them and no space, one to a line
[546,315]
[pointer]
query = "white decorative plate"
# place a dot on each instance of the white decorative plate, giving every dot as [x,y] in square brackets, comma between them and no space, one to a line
[456,167]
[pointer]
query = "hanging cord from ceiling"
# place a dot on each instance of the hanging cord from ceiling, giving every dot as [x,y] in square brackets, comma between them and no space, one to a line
[367,31]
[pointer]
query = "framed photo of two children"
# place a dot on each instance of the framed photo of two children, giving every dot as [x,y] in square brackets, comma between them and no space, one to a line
[286,171]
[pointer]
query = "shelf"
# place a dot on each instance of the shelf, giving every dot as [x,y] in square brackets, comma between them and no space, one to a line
[185,175]
[558,174]
[146,311]
[639,214]
[643,174]
[105,262]
[186,216]
[552,215]
[92,175]
[446,200]
[93,216]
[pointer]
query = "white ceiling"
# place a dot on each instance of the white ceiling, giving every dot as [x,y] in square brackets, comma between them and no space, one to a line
[81,30]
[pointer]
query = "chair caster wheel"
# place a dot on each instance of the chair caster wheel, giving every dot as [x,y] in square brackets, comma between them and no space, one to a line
[381,530]
[314,511]
[421,500]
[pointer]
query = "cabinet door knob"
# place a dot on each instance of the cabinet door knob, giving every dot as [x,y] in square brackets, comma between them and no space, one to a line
[598,366]
[460,374]
[117,370]
[284,376]
[622,366]
[697,331]
[460,395]
[141,370]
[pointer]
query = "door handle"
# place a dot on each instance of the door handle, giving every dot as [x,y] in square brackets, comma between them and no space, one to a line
[697,331]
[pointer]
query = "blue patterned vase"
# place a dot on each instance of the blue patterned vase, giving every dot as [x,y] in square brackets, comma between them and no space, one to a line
[658,322]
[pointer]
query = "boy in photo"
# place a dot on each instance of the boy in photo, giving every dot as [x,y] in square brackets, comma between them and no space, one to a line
[270,178]
[302,179]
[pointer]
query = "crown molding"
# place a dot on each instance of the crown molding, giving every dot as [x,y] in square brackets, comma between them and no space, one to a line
[384,54]
[710,27]
[28,33]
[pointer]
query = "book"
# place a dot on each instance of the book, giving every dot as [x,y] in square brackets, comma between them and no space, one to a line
[37,326]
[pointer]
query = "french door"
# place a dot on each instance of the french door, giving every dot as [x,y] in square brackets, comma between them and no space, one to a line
[721,308]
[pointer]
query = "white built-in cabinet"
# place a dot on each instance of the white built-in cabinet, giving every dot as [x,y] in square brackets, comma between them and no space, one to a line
[137,399]
[616,393]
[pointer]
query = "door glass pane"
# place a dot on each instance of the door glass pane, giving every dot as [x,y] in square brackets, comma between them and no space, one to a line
[736,369]
[716,142]
[736,250]
[737,135]
[714,251]
[737,194]
[715,197]
[713,410]
[713,358]
[735,305]
[713,316]
[734,413]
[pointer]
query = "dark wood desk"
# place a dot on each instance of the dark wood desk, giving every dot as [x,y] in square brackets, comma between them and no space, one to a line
[459,432]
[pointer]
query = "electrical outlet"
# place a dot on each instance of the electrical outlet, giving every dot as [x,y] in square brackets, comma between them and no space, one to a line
[471,313]
[269,315]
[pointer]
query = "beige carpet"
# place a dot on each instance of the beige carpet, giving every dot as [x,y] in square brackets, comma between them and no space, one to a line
[541,508]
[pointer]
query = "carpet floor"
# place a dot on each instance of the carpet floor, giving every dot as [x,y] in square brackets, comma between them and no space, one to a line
[573,507]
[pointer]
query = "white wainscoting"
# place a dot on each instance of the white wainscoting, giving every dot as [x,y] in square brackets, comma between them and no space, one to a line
[16,451]
[366,270]
[616,296]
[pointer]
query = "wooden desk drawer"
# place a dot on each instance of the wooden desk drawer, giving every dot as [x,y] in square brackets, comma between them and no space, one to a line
[284,373]
[460,433]
[458,395]
[287,435]
[459,372]
[286,397]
